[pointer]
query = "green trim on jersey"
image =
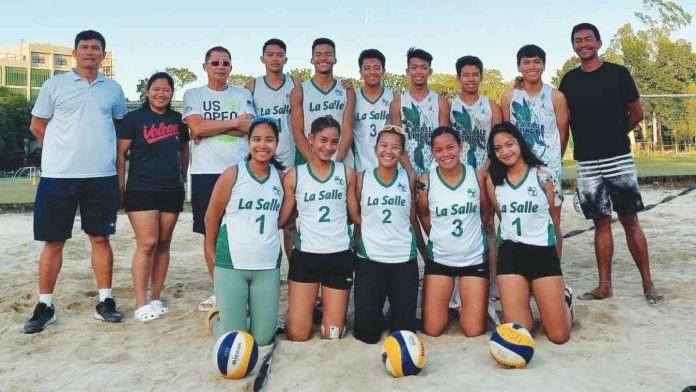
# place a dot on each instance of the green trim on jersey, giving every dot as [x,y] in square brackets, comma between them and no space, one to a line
[414,249]
[552,234]
[280,256]
[519,184]
[361,247]
[379,180]
[279,87]
[486,250]
[253,177]
[299,158]
[429,250]
[335,82]
[331,172]
[461,180]
[362,92]
[298,241]
[223,259]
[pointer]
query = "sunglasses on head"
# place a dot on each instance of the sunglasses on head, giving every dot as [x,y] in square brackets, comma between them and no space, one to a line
[217,63]
[393,128]
[264,119]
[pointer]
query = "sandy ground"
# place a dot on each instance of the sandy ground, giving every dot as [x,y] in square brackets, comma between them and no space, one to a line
[619,344]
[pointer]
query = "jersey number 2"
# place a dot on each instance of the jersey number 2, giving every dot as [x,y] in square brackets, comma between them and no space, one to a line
[325,217]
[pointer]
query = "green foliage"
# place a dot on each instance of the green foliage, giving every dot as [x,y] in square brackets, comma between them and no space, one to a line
[493,86]
[302,73]
[398,83]
[239,80]
[15,116]
[182,76]
[665,15]
[141,88]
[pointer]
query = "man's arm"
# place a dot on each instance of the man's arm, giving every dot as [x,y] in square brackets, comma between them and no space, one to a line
[505,104]
[250,85]
[297,121]
[201,128]
[496,113]
[347,127]
[635,114]
[560,108]
[38,127]
[444,114]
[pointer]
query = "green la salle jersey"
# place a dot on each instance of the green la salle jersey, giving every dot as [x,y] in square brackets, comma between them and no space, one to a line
[370,117]
[524,211]
[419,119]
[275,102]
[386,235]
[474,125]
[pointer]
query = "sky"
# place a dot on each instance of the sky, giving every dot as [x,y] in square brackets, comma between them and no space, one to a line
[148,36]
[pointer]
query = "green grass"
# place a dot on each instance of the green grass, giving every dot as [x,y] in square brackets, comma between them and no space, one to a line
[18,191]
[648,166]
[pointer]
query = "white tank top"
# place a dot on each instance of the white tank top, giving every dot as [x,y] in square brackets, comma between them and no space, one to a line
[419,119]
[456,233]
[474,125]
[251,220]
[370,117]
[317,103]
[276,103]
[536,119]
[386,235]
[322,210]
[524,210]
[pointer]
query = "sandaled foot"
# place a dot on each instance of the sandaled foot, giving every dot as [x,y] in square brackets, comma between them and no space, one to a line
[208,304]
[211,318]
[654,297]
[594,295]
[145,313]
[159,307]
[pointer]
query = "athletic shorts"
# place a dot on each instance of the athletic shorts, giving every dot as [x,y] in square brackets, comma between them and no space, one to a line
[607,184]
[57,200]
[201,189]
[375,283]
[482,270]
[164,201]
[333,270]
[531,261]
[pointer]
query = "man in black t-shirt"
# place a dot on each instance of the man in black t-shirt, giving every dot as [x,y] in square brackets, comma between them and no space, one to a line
[604,107]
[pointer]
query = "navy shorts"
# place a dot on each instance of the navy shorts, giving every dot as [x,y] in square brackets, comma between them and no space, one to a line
[531,261]
[201,189]
[164,201]
[334,270]
[57,200]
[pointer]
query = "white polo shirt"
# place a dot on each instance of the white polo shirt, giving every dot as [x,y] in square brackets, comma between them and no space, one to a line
[80,138]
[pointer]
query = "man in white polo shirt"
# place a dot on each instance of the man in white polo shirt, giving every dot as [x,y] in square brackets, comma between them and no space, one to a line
[74,118]
[218,116]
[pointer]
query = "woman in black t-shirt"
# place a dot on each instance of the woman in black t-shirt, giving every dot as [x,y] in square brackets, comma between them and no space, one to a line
[153,196]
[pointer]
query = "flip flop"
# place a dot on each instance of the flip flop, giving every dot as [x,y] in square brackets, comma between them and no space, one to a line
[208,304]
[591,296]
[209,316]
[655,299]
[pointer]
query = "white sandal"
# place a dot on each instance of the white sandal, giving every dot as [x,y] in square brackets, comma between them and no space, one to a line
[145,313]
[159,307]
[208,304]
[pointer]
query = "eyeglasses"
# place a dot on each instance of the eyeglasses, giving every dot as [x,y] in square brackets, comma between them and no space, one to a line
[393,128]
[264,119]
[217,63]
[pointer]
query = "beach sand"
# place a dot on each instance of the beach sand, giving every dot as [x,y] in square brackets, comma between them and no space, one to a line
[619,344]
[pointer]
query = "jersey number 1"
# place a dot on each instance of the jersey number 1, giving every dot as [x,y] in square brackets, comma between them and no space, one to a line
[518,225]
[261,220]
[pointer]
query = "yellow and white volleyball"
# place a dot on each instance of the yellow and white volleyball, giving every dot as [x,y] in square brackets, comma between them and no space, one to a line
[512,346]
[235,354]
[403,354]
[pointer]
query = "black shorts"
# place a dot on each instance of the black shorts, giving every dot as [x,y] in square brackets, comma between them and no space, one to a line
[57,200]
[531,261]
[374,284]
[164,201]
[201,189]
[333,270]
[482,270]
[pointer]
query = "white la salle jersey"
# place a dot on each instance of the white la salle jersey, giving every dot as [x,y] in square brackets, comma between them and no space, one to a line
[386,235]
[419,119]
[456,233]
[474,125]
[317,103]
[524,210]
[251,220]
[275,102]
[370,117]
[322,210]
[536,119]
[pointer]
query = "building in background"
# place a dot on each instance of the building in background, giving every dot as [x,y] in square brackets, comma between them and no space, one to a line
[25,67]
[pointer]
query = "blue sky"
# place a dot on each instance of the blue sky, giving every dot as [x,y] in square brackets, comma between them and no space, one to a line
[146,36]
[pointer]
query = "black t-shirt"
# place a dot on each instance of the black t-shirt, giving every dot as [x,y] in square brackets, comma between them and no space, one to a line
[155,160]
[598,115]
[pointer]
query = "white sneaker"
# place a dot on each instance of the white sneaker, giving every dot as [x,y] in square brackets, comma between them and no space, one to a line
[208,304]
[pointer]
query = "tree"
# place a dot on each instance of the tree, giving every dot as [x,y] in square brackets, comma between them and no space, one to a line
[239,80]
[493,84]
[398,83]
[15,116]
[670,15]
[302,73]
[182,76]
[141,88]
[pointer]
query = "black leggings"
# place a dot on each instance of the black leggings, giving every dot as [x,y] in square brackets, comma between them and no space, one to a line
[374,283]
